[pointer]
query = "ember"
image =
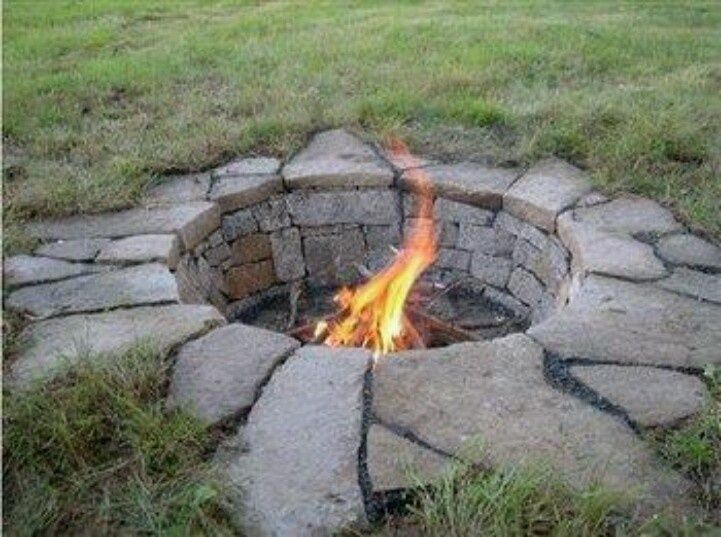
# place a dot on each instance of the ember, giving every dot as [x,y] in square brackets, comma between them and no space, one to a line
[372,315]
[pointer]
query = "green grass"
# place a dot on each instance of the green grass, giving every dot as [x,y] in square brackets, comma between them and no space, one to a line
[100,96]
[95,451]
[466,502]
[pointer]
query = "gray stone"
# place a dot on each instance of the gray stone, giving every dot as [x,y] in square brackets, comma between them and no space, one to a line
[608,252]
[215,239]
[403,161]
[217,376]
[199,283]
[287,254]
[694,283]
[467,182]
[53,344]
[178,189]
[336,158]
[272,215]
[382,237]
[446,232]
[454,211]
[519,228]
[494,394]
[617,321]
[327,230]
[489,269]
[142,249]
[544,191]
[73,250]
[295,467]
[248,166]
[251,248]
[396,463]
[486,240]
[191,221]
[592,198]
[628,215]
[687,249]
[370,207]
[525,287]
[453,259]
[548,265]
[28,269]
[506,301]
[238,192]
[334,259]
[215,256]
[652,397]
[134,286]
[237,224]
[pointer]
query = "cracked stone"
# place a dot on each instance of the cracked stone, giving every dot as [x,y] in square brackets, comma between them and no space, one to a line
[192,222]
[134,286]
[397,463]
[652,397]
[687,249]
[142,249]
[694,283]
[608,252]
[73,250]
[53,344]
[467,182]
[28,269]
[504,403]
[294,469]
[336,158]
[218,375]
[617,321]
[544,191]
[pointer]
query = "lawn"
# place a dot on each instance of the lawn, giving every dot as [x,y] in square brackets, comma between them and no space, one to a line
[100,97]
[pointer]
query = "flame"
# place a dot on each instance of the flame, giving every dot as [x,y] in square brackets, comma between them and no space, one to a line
[372,315]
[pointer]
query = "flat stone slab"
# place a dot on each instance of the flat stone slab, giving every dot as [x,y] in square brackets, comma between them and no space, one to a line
[495,393]
[142,249]
[466,182]
[178,189]
[73,250]
[248,166]
[233,192]
[218,376]
[396,463]
[695,284]
[191,221]
[27,269]
[49,346]
[652,397]
[295,468]
[608,253]
[336,158]
[135,286]
[624,322]
[687,249]
[544,191]
[630,215]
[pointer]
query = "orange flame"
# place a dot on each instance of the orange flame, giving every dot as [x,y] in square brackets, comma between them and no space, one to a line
[372,315]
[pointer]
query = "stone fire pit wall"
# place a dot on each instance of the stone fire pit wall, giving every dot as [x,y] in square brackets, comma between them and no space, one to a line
[300,227]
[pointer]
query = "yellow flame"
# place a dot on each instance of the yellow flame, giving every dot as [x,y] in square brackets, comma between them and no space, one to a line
[372,315]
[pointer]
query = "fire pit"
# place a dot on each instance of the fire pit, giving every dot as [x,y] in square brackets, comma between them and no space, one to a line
[357,312]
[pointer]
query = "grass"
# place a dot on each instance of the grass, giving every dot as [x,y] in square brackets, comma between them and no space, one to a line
[530,500]
[100,97]
[695,448]
[95,451]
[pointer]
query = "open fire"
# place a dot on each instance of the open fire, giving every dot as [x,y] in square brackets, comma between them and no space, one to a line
[373,315]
